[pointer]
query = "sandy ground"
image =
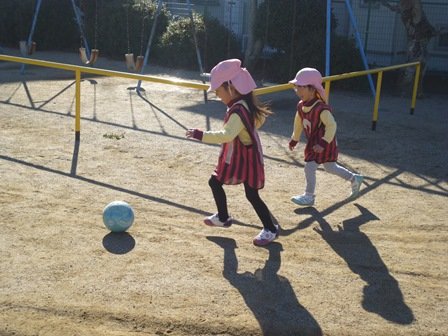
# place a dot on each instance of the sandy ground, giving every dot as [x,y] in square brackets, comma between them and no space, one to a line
[375,266]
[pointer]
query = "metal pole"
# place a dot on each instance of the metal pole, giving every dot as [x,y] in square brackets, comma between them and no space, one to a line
[414,91]
[78,105]
[361,48]
[33,26]
[151,37]
[327,90]
[377,100]
[198,54]
[328,38]
[366,35]
[81,30]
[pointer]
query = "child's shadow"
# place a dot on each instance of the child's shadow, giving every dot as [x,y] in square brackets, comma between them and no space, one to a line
[270,296]
[382,294]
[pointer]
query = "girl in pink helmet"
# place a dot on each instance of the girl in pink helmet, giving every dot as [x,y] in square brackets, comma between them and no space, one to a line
[314,118]
[241,157]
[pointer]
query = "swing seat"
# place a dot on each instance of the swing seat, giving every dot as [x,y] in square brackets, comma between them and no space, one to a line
[132,64]
[93,56]
[26,49]
[139,63]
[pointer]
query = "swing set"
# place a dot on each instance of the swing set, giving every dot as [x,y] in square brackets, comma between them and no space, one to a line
[87,56]
[132,63]
[28,47]
[137,64]
[177,10]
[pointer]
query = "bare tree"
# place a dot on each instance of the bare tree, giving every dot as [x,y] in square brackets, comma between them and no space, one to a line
[254,46]
[419,33]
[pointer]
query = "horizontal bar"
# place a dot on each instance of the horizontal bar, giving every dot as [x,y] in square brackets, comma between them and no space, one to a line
[192,85]
[103,72]
[282,87]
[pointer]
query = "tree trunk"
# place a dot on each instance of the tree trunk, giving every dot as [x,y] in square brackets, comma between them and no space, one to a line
[419,32]
[253,48]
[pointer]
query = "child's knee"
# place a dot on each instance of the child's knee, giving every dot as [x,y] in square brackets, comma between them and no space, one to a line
[213,182]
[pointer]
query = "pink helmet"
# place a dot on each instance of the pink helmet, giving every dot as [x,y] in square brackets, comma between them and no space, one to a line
[231,70]
[310,76]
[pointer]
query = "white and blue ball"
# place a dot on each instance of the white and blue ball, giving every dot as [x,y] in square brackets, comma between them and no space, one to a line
[118,216]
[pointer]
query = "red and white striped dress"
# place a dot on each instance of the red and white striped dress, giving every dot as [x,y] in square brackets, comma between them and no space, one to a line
[239,163]
[314,130]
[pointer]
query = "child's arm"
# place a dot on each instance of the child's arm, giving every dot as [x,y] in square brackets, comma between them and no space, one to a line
[260,121]
[330,126]
[330,130]
[230,131]
[298,128]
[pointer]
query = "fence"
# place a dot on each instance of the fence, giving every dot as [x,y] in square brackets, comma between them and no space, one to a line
[78,70]
[381,30]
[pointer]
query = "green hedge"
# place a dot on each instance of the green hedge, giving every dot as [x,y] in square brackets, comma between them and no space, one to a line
[177,43]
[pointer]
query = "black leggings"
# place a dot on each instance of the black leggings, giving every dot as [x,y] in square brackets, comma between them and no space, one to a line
[252,196]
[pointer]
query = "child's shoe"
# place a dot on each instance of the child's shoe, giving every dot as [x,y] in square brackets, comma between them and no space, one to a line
[265,237]
[303,200]
[213,220]
[356,185]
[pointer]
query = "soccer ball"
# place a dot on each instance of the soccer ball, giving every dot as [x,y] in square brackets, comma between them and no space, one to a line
[118,216]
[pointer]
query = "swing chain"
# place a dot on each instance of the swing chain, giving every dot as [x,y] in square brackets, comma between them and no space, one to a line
[127,28]
[81,14]
[142,33]
[96,25]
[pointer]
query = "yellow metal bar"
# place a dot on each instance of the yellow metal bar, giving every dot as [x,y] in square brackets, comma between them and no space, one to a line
[327,90]
[366,72]
[78,105]
[414,91]
[192,85]
[103,72]
[273,88]
[377,99]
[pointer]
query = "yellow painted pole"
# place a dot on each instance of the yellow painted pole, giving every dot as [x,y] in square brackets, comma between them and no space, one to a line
[104,72]
[78,106]
[273,89]
[377,99]
[327,90]
[414,91]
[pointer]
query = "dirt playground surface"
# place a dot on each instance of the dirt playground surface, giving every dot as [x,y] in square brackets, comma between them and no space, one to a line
[375,266]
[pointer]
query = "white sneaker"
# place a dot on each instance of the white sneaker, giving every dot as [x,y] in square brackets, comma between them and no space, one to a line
[213,220]
[265,237]
[304,200]
[356,185]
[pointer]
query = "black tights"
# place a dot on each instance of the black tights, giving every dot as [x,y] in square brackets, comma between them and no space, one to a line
[252,196]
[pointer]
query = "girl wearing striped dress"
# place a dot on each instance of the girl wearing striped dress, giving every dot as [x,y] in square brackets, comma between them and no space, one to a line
[314,118]
[241,156]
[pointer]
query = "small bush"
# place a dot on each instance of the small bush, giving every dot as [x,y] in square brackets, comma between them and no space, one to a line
[177,47]
[127,25]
